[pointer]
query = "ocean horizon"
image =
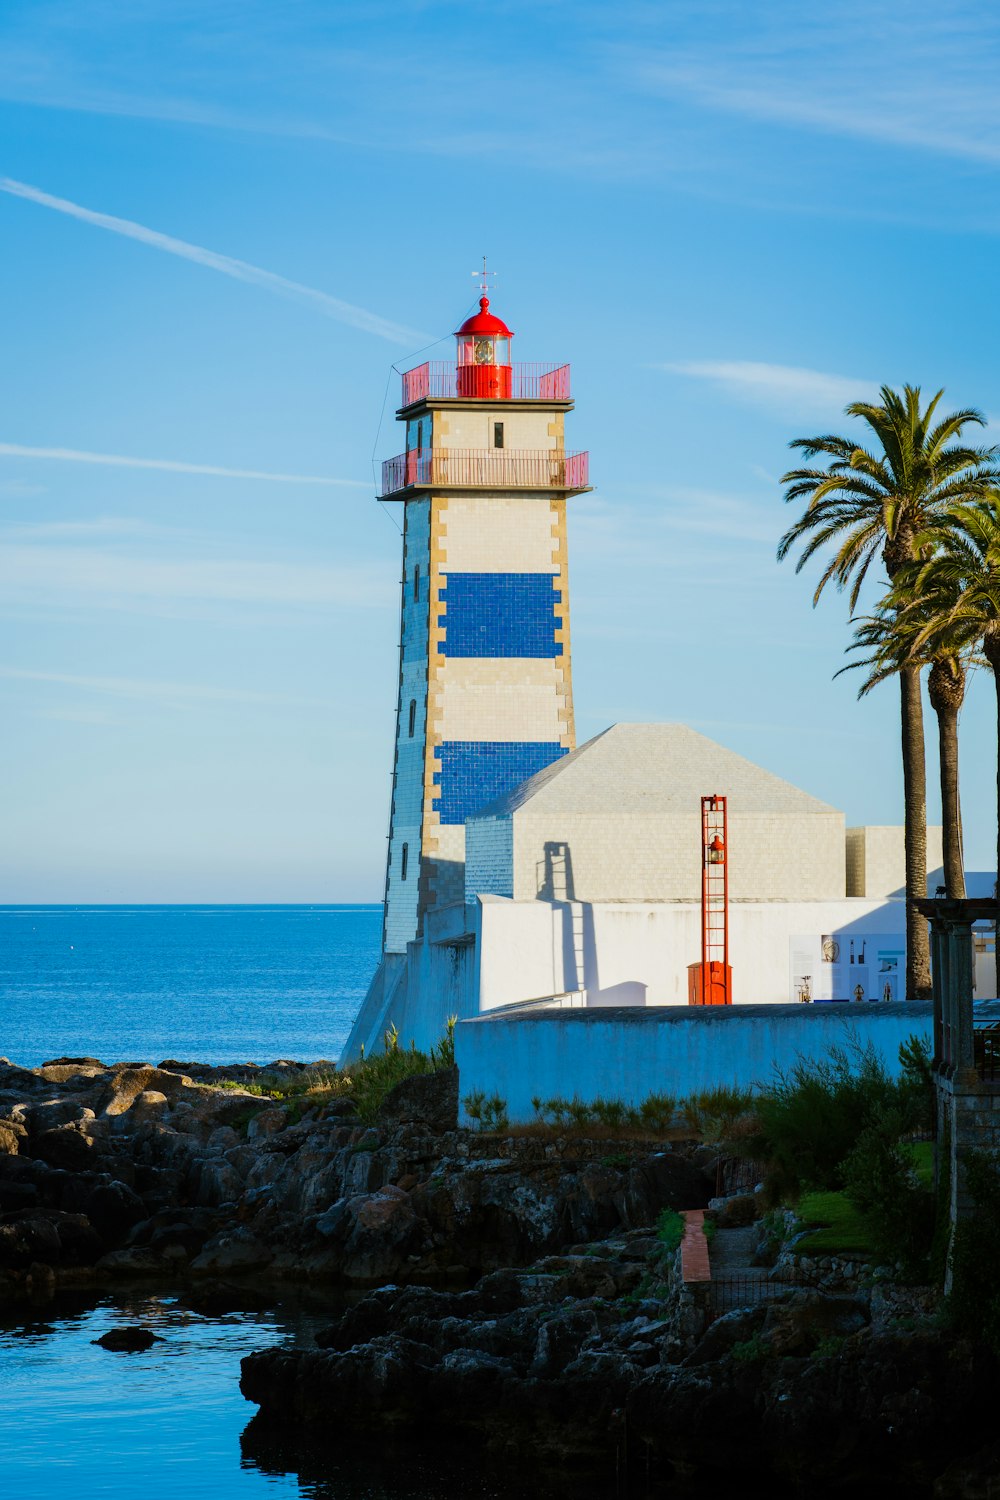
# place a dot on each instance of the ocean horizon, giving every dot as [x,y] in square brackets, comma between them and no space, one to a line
[198,982]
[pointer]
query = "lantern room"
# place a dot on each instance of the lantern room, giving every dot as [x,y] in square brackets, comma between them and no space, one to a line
[483,356]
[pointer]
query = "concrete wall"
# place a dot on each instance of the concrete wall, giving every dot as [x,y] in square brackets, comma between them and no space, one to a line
[637,953]
[629,1054]
[643,857]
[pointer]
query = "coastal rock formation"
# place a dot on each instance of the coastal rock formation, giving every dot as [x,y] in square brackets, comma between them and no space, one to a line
[582,1360]
[137,1170]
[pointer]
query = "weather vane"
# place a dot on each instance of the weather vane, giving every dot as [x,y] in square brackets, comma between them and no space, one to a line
[484,278]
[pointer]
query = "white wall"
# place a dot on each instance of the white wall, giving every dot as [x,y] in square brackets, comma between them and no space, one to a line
[408,777]
[473,427]
[638,952]
[630,1054]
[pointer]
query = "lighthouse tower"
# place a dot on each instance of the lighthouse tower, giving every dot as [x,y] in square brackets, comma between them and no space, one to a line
[485,697]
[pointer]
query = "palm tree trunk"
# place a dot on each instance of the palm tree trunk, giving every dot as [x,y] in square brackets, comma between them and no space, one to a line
[946,690]
[918,954]
[991,650]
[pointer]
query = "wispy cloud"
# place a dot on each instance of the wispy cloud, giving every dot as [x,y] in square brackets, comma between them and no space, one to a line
[135,687]
[67,576]
[787,390]
[898,121]
[17,489]
[168,465]
[100,527]
[239,270]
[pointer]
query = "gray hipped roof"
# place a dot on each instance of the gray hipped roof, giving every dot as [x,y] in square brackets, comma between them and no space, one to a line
[652,768]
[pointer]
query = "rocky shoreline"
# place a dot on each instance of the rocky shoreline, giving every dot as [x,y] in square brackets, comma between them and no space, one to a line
[519,1297]
[135,1170]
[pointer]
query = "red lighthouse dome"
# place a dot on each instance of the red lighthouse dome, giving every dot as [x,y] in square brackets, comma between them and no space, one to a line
[483,357]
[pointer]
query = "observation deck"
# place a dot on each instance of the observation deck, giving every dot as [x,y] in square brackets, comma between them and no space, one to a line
[438,380]
[484,468]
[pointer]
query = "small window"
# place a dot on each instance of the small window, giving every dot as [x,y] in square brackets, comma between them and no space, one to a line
[498,434]
[404,861]
[416,582]
[413,715]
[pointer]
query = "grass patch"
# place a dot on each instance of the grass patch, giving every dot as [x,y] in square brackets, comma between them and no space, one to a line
[670,1230]
[921,1154]
[841,1229]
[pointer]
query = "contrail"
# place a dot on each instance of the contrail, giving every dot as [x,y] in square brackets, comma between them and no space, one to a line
[170,466]
[240,270]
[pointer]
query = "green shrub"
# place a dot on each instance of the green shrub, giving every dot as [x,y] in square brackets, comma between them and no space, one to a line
[881,1179]
[712,1113]
[812,1116]
[751,1351]
[655,1114]
[657,1111]
[489,1111]
[973,1304]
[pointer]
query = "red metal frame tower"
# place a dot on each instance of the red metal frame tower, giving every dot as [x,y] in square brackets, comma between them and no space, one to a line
[711,981]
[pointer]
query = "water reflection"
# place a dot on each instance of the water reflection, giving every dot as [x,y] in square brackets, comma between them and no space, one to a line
[78,1419]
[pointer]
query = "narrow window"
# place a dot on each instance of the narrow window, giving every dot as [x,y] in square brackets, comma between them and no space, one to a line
[416,582]
[413,715]
[498,434]
[404,861]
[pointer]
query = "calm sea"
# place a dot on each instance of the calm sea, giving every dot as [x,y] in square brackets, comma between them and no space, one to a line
[198,983]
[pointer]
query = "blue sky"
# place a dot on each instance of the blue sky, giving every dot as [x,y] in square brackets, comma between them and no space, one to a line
[222,223]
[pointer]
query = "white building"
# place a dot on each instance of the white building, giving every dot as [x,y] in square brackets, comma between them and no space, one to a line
[521,870]
[583,888]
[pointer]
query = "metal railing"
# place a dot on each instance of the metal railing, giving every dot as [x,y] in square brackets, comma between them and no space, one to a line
[747,1288]
[986,1049]
[529,382]
[485,468]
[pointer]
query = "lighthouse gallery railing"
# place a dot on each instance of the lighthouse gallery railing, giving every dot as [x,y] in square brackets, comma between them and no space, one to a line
[439,380]
[479,468]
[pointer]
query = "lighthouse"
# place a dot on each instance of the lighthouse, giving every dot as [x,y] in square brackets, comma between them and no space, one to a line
[485,687]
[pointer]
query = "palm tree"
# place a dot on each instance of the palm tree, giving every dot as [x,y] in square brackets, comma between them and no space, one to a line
[878,502]
[962,585]
[897,637]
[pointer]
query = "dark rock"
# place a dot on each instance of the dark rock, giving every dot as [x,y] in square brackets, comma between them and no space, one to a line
[112,1207]
[734,1212]
[801,1320]
[189,1227]
[10,1138]
[342,1109]
[140,1261]
[130,1340]
[720,1337]
[229,1253]
[63,1146]
[27,1237]
[427,1099]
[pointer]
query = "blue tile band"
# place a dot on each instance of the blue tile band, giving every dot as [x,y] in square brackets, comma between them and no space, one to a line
[475,772]
[500,614]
